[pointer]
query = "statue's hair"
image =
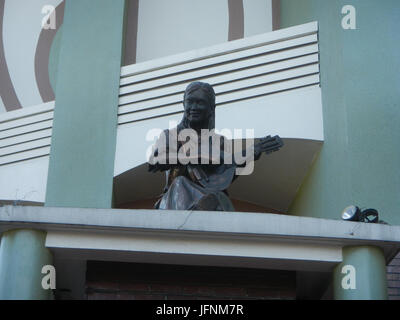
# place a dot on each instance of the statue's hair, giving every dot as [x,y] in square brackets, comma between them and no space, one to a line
[210,94]
[205,87]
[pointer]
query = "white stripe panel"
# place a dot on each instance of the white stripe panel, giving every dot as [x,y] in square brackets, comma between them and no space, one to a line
[25,155]
[240,74]
[180,88]
[276,87]
[248,53]
[231,79]
[26,133]
[46,133]
[26,129]
[25,146]
[237,95]
[269,63]
[221,68]
[255,41]
[26,120]
[224,87]
[154,103]
[265,79]
[26,112]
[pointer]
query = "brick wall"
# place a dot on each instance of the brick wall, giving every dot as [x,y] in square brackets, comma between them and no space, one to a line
[393,277]
[112,280]
[118,281]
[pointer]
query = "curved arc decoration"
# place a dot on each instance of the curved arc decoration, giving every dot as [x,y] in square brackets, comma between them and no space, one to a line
[42,56]
[7,90]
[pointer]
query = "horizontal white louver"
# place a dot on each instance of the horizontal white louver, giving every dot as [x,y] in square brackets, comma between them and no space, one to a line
[26,133]
[270,63]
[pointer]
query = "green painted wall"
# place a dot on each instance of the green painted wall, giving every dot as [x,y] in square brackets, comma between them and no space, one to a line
[22,257]
[359,162]
[84,131]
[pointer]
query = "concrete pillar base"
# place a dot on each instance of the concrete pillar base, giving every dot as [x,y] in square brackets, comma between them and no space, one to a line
[22,257]
[361,275]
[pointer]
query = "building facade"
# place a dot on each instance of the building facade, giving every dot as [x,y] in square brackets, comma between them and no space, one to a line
[85,90]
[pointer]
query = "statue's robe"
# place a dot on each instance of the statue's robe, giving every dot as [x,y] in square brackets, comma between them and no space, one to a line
[193,186]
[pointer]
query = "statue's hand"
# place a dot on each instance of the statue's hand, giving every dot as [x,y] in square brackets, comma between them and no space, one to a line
[268,144]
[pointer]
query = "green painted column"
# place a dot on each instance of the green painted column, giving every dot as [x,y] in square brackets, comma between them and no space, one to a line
[360,95]
[81,167]
[22,257]
[361,275]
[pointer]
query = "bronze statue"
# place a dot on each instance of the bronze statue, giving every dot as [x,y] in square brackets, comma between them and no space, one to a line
[199,170]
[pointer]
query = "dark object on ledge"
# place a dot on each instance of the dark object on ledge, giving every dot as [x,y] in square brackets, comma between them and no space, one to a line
[354,213]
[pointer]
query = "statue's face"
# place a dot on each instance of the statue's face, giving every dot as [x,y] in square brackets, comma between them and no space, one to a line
[197,108]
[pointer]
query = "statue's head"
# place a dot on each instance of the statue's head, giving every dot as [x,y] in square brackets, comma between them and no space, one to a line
[199,105]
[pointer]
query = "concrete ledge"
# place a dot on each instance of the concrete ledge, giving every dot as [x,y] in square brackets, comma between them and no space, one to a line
[235,223]
[219,234]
